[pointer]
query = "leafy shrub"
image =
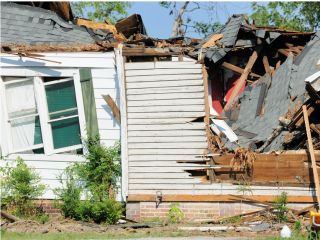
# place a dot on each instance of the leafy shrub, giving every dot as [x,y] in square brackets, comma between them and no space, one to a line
[19,186]
[280,206]
[175,214]
[69,194]
[95,179]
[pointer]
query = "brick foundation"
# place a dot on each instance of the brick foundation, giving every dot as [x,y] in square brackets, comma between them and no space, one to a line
[140,211]
[48,207]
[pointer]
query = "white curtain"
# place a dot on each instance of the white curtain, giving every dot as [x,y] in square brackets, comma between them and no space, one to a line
[21,103]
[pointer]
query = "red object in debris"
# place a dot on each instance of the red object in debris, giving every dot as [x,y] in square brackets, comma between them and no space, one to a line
[230,90]
[217,95]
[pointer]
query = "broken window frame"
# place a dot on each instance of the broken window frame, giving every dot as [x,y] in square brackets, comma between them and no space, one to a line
[6,147]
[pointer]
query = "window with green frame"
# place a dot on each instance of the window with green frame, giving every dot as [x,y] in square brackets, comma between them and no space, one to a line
[40,112]
[63,112]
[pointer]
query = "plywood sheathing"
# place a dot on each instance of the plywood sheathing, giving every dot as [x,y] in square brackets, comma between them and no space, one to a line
[283,169]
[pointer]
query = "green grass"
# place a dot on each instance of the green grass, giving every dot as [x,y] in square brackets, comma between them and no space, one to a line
[297,237]
[87,236]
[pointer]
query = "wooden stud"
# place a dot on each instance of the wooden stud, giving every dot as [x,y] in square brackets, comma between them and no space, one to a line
[212,41]
[266,65]
[311,152]
[237,69]
[242,79]
[113,106]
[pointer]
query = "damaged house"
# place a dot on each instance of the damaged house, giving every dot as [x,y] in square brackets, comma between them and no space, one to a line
[199,118]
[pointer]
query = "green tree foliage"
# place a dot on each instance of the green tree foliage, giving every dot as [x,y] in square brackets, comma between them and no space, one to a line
[94,179]
[101,10]
[183,13]
[300,16]
[19,186]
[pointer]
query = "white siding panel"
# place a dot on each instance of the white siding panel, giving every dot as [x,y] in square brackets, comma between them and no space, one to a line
[163,77]
[105,124]
[163,151]
[98,60]
[104,83]
[160,120]
[191,89]
[175,102]
[162,71]
[166,115]
[109,134]
[158,157]
[103,73]
[167,145]
[157,109]
[163,98]
[189,126]
[160,84]
[166,139]
[109,143]
[162,180]
[159,65]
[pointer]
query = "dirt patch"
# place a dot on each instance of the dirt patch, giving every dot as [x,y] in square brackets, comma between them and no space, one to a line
[54,226]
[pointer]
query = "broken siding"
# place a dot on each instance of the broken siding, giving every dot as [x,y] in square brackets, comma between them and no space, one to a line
[105,82]
[162,100]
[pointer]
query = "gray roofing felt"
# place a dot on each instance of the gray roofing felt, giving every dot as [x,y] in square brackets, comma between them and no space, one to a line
[23,24]
[230,32]
[287,83]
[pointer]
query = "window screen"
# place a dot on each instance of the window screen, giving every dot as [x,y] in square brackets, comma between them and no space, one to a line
[63,113]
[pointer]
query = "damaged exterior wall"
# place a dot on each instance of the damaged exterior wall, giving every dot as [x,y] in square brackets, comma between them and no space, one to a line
[163,146]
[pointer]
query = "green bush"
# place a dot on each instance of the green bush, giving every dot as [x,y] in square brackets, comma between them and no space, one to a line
[19,186]
[280,206]
[175,214]
[95,179]
[69,194]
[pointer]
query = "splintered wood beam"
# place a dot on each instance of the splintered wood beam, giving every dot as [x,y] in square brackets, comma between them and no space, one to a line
[212,41]
[266,65]
[311,152]
[315,129]
[237,69]
[241,81]
[113,106]
[284,52]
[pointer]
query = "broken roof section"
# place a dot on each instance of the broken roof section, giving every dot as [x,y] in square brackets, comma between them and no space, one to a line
[238,33]
[254,117]
[35,28]
[21,24]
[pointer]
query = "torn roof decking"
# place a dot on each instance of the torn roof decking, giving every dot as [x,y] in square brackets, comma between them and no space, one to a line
[286,84]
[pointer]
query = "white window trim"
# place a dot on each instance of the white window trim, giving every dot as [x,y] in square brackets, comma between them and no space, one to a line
[38,73]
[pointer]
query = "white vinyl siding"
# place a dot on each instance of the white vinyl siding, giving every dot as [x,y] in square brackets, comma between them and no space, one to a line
[163,98]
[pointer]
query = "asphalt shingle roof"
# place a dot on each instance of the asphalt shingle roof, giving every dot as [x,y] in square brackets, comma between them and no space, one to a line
[23,24]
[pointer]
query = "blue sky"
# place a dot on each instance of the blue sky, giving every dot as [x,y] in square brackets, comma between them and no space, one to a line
[158,22]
